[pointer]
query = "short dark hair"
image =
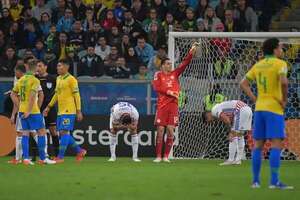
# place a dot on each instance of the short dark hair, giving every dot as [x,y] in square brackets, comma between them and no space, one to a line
[32,64]
[20,68]
[26,60]
[163,60]
[126,119]
[64,62]
[269,45]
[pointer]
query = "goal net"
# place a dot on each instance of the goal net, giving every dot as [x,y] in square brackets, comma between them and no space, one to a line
[220,63]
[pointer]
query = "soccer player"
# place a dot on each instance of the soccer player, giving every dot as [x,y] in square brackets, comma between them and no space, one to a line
[48,83]
[166,84]
[29,112]
[270,75]
[238,116]
[124,116]
[67,97]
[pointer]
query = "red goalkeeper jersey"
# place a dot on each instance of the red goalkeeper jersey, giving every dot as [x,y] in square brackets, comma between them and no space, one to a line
[169,81]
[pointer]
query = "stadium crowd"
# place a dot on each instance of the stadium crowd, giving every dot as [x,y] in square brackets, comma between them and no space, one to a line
[115,38]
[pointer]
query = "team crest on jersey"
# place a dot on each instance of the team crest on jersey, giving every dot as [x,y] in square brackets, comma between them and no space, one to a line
[49,85]
[66,121]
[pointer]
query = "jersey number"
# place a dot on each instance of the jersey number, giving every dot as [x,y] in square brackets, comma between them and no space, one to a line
[262,80]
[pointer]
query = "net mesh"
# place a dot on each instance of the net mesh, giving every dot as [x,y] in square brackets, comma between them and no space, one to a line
[217,68]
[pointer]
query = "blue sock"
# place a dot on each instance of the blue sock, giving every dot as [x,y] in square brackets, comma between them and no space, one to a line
[73,144]
[25,146]
[41,145]
[63,144]
[256,164]
[274,165]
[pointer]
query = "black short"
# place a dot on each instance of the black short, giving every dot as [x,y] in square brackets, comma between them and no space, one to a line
[50,120]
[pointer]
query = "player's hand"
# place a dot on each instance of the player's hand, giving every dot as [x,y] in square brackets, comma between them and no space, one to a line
[46,111]
[194,48]
[26,115]
[79,116]
[12,119]
[173,94]
[283,103]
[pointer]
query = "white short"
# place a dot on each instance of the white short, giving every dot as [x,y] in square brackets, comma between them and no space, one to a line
[242,120]
[19,125]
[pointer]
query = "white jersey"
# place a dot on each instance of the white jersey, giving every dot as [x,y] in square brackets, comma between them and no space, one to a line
[239,111]
[123,108]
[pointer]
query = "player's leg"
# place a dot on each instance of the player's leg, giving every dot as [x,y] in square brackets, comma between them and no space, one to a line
[232,148]
[18,153]
[25,139]
[160,122]
[259,135]
[169,142]
[275,132]
[134,141]
[55,139]
[113,140]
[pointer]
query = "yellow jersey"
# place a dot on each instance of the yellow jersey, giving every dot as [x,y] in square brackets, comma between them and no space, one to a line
[66,95]
[24,86]
[267,73]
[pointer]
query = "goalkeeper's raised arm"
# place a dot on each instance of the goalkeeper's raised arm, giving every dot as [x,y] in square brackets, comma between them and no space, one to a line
[186,61]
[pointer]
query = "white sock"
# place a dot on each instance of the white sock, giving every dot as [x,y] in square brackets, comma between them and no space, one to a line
[241,146]
[233,146]
[135,145]
[46,146]
[36,138]
[113,144]
[19,151]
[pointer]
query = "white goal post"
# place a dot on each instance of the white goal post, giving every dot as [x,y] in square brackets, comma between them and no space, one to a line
[220,63]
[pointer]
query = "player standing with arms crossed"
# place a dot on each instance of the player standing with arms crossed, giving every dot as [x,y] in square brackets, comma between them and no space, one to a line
[166,84]
[270,75]
[69,108]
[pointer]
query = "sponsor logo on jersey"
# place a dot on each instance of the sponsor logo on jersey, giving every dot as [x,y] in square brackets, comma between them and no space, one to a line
[66,121]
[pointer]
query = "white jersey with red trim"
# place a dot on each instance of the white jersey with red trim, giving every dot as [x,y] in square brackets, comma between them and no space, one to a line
[123,108]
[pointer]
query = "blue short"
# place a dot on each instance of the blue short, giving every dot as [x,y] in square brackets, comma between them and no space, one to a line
[268,125]
[65,122]
[32,122]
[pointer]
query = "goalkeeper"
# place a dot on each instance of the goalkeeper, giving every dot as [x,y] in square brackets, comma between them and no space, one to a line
[166,84]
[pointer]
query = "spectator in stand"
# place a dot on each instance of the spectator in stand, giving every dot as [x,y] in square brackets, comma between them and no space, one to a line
[39,50]
[222,7]
[143,74]
[26,17]
[130,25]
[40,8]
[144,50]
[109,21]
[78,9]
[28,54]
[111,59]
[120,70]
[211,20]
[45,24]
[65,23]
[114,37]
[139,11]
[201,25]
[8,62]
[59,11]
[14,36]
[201,8]
[119,11]
[246,16]
[190,23]
[155,62]
[52,38]
[109,4]
[231,24]
[72,59]
[169,24]
[160,8]
[152,18]
[132,60]
[88,22]
[179,12]
[76,36]
[125,44]
[156,36]
[3,42]
[6,20]
[15,9]
[31,35]
[59,48]
[99,10]
[102,49]
[50,61]
[91,64]
[93,35]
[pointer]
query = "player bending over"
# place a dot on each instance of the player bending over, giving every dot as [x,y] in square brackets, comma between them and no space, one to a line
[166,84]
[25,93]
[69,107]
[238,115]
[270,76]
[124,116]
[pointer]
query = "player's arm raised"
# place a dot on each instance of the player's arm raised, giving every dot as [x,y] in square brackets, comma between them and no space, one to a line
[245,84]
[186,61]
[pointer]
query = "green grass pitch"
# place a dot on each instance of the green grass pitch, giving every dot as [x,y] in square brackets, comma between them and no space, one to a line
[95,178]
